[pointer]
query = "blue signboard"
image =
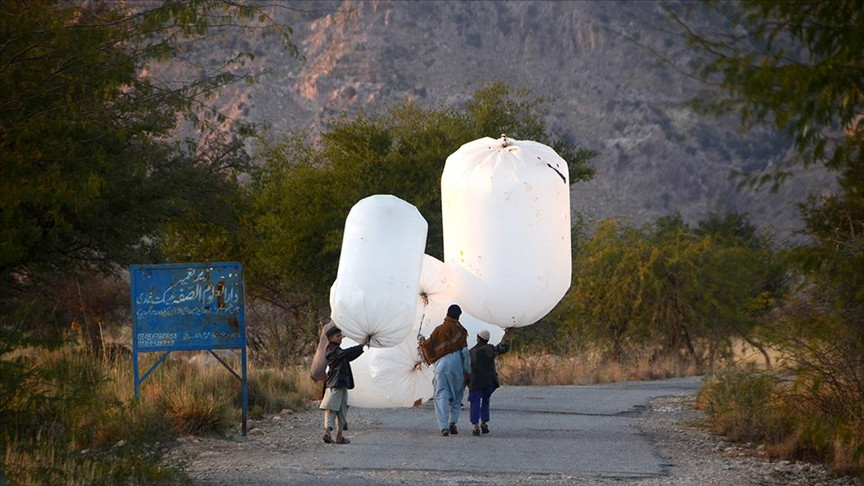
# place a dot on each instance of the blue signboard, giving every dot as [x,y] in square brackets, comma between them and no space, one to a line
[188,307]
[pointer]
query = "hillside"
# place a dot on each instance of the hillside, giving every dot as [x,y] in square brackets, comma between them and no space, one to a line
[608,91]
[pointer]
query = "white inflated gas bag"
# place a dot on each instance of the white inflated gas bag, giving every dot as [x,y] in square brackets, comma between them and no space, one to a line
[397,376]
[506,221]
[435,295]
[375,291]
[391,377]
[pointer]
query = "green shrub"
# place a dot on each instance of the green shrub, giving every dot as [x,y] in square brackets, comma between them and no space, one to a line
[740,406]
[794,422]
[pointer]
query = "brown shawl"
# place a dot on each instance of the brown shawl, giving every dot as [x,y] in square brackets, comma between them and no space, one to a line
[447,337]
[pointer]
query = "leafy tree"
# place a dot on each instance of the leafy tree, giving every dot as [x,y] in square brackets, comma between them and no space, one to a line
[731,229]
[298,203]
[797,65]
[759,264]
[718,283]
[94,156]
[666,289]
[608,293]
[103,143]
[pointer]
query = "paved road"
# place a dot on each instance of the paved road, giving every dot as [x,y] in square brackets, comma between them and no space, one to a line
[538,434]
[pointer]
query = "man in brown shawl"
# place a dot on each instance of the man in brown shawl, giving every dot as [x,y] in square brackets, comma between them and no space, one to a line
[447,350]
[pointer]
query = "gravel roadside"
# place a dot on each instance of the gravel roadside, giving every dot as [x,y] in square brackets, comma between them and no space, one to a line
[695,456]
[698,457]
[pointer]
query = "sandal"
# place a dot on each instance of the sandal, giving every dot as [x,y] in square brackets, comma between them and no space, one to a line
[342,440]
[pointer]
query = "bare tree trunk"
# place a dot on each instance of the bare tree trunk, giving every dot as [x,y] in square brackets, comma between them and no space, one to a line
[761,350]
[690,348]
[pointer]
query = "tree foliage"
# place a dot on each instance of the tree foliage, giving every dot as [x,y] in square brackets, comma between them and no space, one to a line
[796,65]
[99,151]
[103,146]
[800,66]
[668,289]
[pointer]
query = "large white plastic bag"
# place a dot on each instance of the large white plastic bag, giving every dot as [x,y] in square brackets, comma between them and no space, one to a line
[474,325]
[376,287]
[396,376]
[506,220]
[390,377]
[401,374]
[435,295]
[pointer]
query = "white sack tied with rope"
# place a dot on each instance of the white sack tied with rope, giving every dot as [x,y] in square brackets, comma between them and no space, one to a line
[397,376]
[506,219]
[435,295]
[391,377]
[375,291]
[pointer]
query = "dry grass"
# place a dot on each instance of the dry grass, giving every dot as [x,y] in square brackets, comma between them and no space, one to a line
[757,406]
[86,426]
[525,369]
[307,388]
[63,424]
[203,396]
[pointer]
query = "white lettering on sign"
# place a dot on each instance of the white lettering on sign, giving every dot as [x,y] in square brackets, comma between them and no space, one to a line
[194,289]
[156,339]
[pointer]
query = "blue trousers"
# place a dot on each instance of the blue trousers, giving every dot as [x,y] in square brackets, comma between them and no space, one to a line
[449,383]
[480,404]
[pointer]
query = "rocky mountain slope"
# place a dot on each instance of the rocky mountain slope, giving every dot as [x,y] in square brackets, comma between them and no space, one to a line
[592,59]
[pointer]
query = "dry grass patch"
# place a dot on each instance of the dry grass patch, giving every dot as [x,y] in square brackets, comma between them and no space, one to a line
[529,369]
[793,422]
[70,418]
[60,423]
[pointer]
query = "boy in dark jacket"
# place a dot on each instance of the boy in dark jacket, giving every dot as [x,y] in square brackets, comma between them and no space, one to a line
[340,379]
[484,379]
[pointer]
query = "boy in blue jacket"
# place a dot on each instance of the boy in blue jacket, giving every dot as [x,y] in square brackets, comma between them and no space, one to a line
[484,379]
